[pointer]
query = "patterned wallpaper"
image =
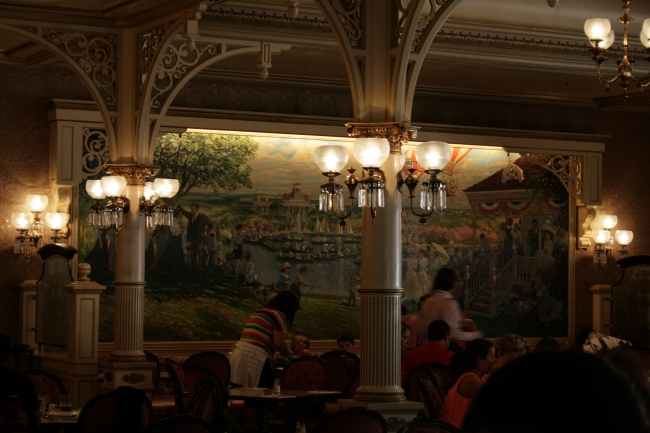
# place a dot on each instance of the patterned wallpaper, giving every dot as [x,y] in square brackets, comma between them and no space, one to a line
[24,159]
[24,146]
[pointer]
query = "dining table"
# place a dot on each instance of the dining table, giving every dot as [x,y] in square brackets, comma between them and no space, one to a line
[264,398]
[57,421]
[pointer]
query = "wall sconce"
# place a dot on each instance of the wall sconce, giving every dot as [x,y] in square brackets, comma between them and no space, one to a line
[158,214]
[37,204]
[605,241]
[56,222]
[433,156]
[25,242]
[331,158]
[105,217]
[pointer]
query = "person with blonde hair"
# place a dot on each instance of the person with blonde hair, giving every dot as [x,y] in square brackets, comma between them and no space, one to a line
[300,346]
[509,347]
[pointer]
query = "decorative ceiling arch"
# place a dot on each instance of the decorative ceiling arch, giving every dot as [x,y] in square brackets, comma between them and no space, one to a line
[91,56]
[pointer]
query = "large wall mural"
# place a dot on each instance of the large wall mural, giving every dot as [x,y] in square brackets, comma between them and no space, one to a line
[247,225]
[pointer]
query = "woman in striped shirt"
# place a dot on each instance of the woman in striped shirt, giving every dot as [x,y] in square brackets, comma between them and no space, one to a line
[263,335]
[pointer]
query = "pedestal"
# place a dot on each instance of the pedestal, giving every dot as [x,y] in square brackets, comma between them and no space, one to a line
[83,336]
[396,414]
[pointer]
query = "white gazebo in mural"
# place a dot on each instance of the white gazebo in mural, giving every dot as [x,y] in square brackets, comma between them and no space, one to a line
[504,194]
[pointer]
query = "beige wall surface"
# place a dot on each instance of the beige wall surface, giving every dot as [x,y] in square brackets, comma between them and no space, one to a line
[24,144]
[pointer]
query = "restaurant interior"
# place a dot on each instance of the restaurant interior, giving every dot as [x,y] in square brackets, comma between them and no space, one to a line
[465,120]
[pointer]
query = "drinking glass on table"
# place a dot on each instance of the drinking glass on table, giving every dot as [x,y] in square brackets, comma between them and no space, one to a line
[65,402]
[44,401]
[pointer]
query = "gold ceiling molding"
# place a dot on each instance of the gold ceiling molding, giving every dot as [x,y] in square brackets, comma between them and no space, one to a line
[266,20]
[397,133]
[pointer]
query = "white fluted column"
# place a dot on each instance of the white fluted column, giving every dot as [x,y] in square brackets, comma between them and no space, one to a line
[381,280]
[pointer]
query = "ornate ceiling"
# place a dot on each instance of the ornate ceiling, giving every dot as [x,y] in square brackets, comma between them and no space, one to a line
[487,49]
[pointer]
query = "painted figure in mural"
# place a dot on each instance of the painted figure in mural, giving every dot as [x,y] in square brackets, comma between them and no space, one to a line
[215,248]
[516,240]
[237,242]
[442,306]
[171,259]
[353,289]
[97,258]
[263,335]
[198,227]
[299,282]
[284,282]
[548,307]
[485,244]
[424,281]
[547,249]
[505,250]
[456,262]
[533,238]
[411,284]
[245,270]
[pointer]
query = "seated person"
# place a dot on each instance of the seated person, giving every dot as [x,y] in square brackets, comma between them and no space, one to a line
[345,342]
[18,397]
[434,351]
[405,341]
[300,346]
[478,360]
[547,343]
[560,392]
[509,347]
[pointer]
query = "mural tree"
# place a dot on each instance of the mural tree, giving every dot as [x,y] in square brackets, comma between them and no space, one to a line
[212,161]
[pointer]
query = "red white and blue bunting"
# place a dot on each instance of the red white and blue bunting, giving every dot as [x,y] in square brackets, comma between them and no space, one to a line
[490,208]
[556,205]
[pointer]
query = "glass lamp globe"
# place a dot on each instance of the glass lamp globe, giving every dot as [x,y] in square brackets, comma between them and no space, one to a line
[597,28]
[601,236]
[624,237]
[608,42]
[645,40]
[331,158]
[37,203]
[22,220]
[56,220]
[610,221]
[149,193]
[433,155]
[166,188]
[94,189]
[113,186]
[371,152]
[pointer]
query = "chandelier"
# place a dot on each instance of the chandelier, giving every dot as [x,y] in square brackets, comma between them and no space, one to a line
[601,36]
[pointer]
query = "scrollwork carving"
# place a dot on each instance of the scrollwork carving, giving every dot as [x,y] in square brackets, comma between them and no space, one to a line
[174,64]
[96,54]
[96,151]
[148,43]
[349,12]
[135,174]
[567,168]
[397,133]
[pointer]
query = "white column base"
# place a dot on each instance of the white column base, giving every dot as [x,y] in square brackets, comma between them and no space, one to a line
[396,414]
[134,374]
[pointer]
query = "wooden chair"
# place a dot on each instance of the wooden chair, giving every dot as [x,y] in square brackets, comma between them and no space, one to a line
[194,374]
[216,362]
[306,374]
[47,384]
[410,386]
[124,409]
[342,365]
[179,424]
[353,420]
[426,425]
[209,402]
[431,397]
[177,377]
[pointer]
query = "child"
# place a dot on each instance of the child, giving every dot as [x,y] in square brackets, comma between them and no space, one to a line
[345,342]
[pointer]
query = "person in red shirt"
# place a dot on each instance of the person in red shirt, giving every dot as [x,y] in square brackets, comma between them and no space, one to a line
[434,351]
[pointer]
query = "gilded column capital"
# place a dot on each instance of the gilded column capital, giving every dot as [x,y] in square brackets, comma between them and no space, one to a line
[135,174]
[397,133]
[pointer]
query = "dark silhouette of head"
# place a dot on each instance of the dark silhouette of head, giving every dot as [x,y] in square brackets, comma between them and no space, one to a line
[446,279]
[287,302]
[560,392]
[438,330]
[547,343]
